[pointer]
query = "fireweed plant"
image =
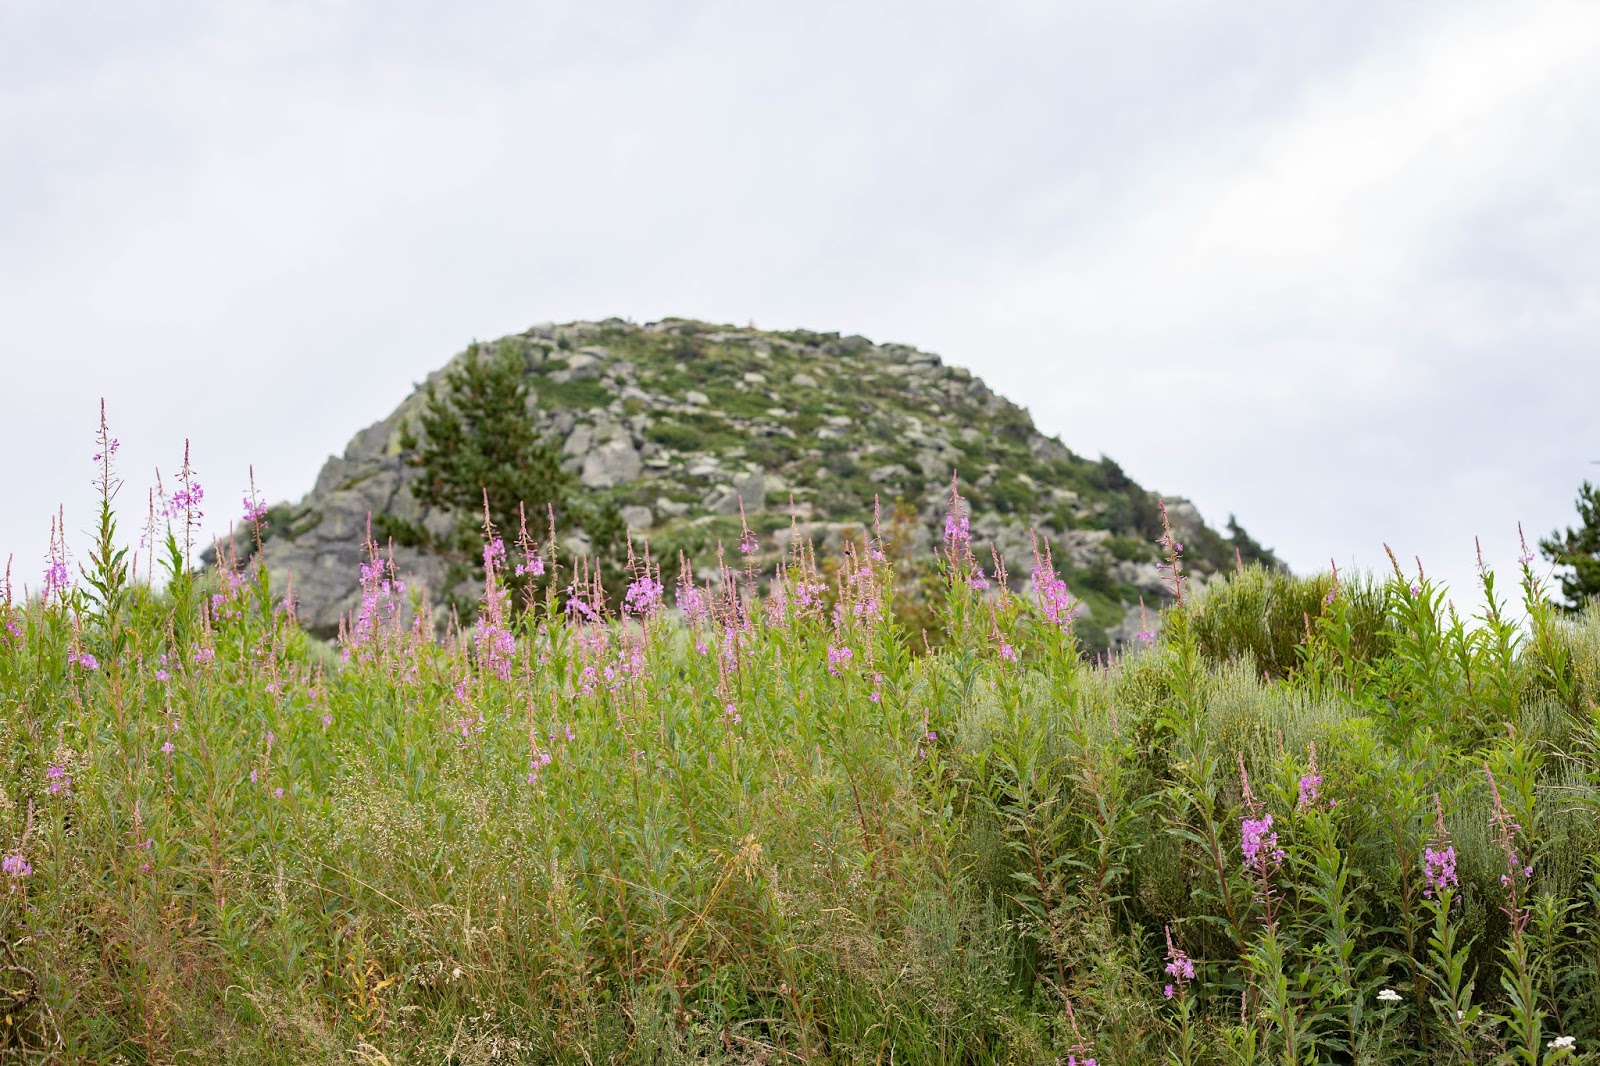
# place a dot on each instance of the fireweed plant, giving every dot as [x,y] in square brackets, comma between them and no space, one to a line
[741,816]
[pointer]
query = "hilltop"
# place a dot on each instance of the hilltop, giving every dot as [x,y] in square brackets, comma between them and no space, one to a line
[680,421]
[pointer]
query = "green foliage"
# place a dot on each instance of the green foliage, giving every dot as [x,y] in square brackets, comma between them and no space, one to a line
[712,840]
[1578,549]
[1264,615]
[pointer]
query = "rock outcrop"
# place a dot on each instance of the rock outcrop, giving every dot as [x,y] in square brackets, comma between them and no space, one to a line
[681,421]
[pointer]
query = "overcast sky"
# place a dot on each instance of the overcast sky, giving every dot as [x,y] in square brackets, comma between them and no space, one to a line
[1334,268]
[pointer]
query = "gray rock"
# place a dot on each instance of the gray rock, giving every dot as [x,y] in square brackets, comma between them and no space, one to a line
[752,489]
[638,516]
[696,397]
[582,365]
[803,380]
[611,464]
[671,508]
[580,440]
[722,499]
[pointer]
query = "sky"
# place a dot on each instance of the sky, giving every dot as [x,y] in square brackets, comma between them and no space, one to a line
[1334,269]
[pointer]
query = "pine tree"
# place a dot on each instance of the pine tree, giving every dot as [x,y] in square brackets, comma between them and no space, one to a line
[1579,549]
[478,437]
[479,441]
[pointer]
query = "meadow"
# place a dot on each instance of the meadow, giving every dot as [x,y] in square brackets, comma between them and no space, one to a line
[756,819]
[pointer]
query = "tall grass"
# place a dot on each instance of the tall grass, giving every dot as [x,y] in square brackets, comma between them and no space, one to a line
[764,827]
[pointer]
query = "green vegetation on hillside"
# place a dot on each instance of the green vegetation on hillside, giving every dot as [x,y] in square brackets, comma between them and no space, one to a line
[1303,821]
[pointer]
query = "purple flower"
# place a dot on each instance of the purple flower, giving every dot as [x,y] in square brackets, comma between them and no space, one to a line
[1310,789]
[643,598]
[838,657]
[748,545]
[277,793]
[1007,652]
[957,530]
[168,748]
[1259,843]
[327,720]
[533,567]
[85,660]
[59,779]
[1439,869]
[186,502]
[56,578]
[15,867]
[254,510]
[1056,601]
[204,655]
[1169,991]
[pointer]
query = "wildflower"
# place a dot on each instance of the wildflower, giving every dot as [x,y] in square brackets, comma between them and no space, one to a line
[1416,589]
[1057,603]
[1310,784]
[731,714]
[327,720]
[277,793]
[748,545]
[1562,1042]
[204,655]
[838,657]
[254,510]
[85,660]
[1259,843]
[494,554]
[1179,967]
[1518,870]
[60,780]
[532,567]
[1007,652]
[1388,995]
[16,867]
[957,530]
[168,748]
[643,598]
[694,602]
[56,578]
[1439,869]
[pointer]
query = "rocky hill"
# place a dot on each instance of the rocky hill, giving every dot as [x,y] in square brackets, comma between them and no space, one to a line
[679,421]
